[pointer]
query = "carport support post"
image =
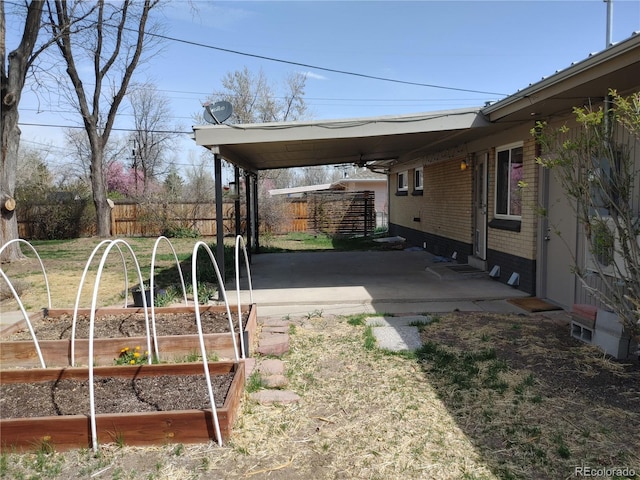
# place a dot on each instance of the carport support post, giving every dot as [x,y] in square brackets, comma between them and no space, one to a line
[217,165]
[236,200]
[255,213]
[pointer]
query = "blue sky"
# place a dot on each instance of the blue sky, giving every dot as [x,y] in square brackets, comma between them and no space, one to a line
[489,48]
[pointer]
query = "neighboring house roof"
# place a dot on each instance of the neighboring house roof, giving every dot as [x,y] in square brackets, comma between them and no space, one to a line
[300,190]
[363,176]
[381,139]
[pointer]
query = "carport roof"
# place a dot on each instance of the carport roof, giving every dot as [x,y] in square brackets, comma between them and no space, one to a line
[362,140]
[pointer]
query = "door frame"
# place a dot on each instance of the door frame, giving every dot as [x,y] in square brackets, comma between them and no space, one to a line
[480,205]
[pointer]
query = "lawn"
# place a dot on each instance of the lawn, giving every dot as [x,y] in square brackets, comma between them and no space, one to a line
[64,261]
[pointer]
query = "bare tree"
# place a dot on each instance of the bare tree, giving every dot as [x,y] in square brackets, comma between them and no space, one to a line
[80,158]
[153,135]
[255,101]
[13,73]
[112,37]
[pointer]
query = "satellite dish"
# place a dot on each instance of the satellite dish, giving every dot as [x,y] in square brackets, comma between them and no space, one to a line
[218,112]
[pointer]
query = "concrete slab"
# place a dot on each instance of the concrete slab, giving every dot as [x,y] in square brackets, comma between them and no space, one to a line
[275,396]
[403,321]
[289,285]
[343,283]
[397,338]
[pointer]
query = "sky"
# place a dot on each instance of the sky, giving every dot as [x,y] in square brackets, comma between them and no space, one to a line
[439,55]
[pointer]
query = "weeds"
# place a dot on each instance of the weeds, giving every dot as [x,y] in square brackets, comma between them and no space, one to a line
[369,339]
[254,383]
[315,314]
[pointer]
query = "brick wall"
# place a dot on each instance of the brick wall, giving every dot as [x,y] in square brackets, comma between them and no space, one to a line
[522,243]
[443,209]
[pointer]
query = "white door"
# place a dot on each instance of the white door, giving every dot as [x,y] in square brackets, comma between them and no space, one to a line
[480,206]
[558,246]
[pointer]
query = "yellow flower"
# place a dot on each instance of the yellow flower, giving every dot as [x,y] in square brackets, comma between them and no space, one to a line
[136,355]
[132,362]
[126,349]
[123,350]
[138,347]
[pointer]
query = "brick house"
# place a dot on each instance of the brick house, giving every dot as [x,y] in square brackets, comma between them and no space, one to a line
[454,175]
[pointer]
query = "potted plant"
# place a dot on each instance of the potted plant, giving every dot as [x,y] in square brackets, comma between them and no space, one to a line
[137,293]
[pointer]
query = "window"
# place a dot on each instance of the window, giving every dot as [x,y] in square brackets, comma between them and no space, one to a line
[418,179]
[509,174]
[606,180]
[402,182]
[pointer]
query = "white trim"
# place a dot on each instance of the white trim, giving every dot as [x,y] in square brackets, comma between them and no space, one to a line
[415,172]
[504,148]
[405,183]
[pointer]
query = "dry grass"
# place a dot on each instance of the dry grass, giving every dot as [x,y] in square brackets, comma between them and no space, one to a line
[368,414]
[64,263]
[489,397]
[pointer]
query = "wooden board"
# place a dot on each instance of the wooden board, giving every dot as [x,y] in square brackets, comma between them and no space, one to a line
[65,432]
[57,353]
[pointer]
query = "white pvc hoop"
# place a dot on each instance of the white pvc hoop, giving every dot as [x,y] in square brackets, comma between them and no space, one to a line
[82,280]
[26,317]
[44,273]
[17,297]
[94,300]
[203,349]
[152,285]
[240,240]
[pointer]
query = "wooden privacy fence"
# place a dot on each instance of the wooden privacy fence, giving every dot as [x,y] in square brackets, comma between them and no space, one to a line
[332,213]
[152,219]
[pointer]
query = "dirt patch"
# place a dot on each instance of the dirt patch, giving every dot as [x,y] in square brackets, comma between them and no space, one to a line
[543,347]
[112,395]
[128,325]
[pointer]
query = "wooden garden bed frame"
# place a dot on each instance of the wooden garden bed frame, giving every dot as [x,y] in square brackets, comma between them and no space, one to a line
[66,432]
[57,353]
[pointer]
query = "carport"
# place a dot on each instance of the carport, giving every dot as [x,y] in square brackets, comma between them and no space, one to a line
[375,143]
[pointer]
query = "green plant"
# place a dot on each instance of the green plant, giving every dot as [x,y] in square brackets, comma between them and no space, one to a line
[165,297]
[254,383]
[206,292]
[315,314]
[132,356]
[119,440]
[177,231]
[194,356]
[179,450]
[370,341]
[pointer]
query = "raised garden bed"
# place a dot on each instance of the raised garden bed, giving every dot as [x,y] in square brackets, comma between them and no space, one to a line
[117,328]
[174,396]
